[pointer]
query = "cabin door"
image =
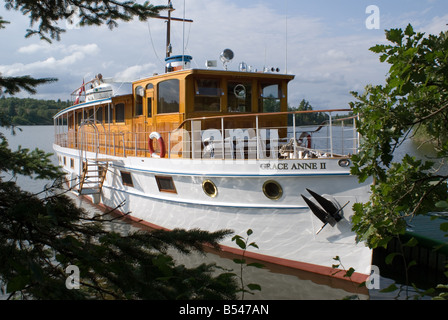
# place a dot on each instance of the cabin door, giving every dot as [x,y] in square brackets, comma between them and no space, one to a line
[148,104]
[139,125]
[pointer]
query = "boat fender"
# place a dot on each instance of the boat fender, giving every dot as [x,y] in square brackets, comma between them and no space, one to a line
[156,135]
[305,140]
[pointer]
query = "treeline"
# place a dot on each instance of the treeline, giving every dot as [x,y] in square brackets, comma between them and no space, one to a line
[315,118]
[30,111]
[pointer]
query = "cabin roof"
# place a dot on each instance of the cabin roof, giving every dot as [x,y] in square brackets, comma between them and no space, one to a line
[217,73]
[184,74]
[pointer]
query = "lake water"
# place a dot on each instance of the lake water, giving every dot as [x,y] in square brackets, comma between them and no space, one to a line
[278,283]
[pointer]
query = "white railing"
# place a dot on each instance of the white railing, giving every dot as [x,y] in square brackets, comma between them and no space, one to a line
[255,137]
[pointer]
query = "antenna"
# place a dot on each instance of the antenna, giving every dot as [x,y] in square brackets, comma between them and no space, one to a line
[226,56]
[286,36]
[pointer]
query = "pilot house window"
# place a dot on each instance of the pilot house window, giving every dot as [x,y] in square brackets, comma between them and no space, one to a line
[270,98]
[168,96]
[99,114]
[207,95]
[239,97]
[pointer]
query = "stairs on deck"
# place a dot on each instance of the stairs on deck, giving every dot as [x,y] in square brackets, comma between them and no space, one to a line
[93,174]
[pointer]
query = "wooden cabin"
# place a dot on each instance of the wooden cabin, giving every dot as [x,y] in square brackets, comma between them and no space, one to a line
[120,125]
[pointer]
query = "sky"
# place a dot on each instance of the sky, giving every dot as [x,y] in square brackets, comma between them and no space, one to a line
[325,44]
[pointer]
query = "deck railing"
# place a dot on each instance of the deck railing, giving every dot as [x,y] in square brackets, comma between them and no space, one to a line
[305,134]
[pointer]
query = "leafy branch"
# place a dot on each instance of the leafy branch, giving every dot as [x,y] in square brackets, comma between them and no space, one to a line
[339,267]
[47,13]
[243,243]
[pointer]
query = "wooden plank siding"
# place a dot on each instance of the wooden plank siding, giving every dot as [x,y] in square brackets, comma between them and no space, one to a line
[129,135]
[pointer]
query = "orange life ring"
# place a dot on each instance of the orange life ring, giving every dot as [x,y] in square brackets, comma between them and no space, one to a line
[156,135]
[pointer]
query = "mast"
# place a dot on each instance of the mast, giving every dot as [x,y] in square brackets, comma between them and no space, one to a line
[169,18]
[169,48]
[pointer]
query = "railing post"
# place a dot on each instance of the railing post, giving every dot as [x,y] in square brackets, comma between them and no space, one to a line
[342,134]
[258,137]
[169,145]
[222,139]
[356,136]
[135,143]
[124,145]
[294,134]
[331,136]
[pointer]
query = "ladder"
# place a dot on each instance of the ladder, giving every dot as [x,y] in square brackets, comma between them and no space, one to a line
[93,174]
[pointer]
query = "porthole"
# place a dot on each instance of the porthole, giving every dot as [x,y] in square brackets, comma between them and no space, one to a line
[272,189]
[344,163]
[209,188]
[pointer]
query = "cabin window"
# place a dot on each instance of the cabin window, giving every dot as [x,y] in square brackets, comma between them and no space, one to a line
[149,102]
[139,101]
[239,96]
[168,96]
[149,98]
[165,184]
[78,117]
[270,95]
[99,114]
[126,178]
[107,117]
[70,120]
[207,95]
[119,112]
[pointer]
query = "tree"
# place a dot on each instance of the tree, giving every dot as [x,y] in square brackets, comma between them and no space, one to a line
[413,98]
[42,236]
[47,14]
[315,118]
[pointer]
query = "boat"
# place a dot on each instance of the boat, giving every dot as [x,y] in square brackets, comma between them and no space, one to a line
[215,149]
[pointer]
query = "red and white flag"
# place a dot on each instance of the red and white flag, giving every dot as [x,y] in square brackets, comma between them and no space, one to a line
[81,90]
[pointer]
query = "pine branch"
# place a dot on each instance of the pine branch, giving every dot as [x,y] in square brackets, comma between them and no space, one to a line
[13,85]
[48,13]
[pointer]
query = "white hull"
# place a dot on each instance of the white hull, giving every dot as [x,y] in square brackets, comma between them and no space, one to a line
[285,229]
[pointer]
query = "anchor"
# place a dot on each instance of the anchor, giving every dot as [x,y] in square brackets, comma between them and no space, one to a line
[327,212]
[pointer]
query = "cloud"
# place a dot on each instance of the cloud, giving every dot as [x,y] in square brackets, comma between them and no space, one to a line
[70,56]
[34,48]
[135,72]
[436,25]
[325,46]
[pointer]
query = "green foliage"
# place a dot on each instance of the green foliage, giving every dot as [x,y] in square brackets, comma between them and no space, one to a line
[47,13]
[30,111]
[347,273]
[315,118]
[414,96]
[244,244]
[13,85]
[40,236]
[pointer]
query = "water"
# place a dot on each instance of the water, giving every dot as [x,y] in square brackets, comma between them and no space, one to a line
[278,283]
